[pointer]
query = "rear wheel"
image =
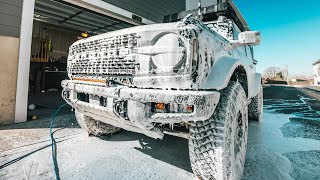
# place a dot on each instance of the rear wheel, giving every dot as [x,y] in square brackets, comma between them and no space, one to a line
[256,107]
[217,146]
[94,127]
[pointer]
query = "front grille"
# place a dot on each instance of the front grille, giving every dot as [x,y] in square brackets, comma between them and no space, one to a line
[105,56]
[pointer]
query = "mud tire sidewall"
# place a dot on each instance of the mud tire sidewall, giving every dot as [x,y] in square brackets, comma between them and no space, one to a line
[212,142]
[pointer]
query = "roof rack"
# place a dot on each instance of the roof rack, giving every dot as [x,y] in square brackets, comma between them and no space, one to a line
[211,13]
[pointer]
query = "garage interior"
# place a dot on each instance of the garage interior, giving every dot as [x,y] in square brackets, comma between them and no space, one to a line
[56,26]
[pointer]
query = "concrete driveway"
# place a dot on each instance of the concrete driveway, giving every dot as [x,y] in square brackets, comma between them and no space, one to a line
[285,145]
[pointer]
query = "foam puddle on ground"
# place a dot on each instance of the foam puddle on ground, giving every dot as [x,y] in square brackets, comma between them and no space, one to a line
[299,108]
[273,144]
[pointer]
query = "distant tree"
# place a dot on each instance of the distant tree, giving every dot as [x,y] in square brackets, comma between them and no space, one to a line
[272,73]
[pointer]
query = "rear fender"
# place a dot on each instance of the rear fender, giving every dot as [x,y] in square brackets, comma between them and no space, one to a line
[256,84]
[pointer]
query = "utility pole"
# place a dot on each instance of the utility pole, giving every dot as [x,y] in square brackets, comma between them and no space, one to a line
[287,73]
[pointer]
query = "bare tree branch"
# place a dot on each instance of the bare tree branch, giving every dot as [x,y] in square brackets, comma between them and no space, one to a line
[272,73]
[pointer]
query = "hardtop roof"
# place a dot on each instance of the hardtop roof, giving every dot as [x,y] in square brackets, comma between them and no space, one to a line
[211,13]
[317,62]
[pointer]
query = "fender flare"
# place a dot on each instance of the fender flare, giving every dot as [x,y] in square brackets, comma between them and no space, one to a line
[221,73]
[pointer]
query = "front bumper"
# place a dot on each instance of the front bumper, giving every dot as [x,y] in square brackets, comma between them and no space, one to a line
[204,103]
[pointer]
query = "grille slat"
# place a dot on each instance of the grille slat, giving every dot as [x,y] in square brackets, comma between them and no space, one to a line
[108,56]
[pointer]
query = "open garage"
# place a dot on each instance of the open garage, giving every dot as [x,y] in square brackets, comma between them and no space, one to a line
[56,26]
[39,50]
[168,89]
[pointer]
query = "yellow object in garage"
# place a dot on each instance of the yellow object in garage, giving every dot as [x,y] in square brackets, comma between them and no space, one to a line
[84,34]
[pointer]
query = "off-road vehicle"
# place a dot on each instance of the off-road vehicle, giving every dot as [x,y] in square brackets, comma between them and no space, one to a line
[193,77]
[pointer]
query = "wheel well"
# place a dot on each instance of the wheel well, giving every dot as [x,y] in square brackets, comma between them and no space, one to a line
[240,75]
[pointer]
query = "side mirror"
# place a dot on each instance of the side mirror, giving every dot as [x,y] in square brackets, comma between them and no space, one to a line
[245,38]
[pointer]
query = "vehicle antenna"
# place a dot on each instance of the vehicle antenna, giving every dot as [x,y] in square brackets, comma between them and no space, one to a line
[199,9]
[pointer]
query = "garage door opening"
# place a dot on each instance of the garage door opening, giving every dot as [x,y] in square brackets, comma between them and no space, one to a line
[57,25]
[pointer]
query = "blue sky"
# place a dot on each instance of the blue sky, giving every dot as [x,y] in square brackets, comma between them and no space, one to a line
[290,32]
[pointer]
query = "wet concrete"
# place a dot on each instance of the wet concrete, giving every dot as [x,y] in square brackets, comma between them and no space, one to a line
[285,145]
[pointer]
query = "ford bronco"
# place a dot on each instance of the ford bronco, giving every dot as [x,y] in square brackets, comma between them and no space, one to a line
[193,77]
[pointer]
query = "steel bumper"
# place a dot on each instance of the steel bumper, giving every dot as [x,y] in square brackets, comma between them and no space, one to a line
[204,103]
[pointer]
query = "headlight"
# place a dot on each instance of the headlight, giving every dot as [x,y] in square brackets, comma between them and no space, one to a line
[173,51]
[69,63]
[167,53]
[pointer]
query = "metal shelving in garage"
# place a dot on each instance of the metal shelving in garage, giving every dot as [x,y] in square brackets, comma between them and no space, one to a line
[59,24]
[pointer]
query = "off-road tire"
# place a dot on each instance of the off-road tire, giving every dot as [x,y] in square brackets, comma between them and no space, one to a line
[94,127]
[255,109]
[217,146]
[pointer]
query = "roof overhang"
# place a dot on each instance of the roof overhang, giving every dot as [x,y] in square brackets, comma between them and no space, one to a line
[110,10]
[91,16]
[239,16]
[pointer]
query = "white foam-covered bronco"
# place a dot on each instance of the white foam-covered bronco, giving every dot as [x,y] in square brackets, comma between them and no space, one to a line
[194,78]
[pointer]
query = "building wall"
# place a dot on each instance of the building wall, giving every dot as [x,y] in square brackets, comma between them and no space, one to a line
[153,10]
[10,23]
[8,77]
[10,13]
[316,73]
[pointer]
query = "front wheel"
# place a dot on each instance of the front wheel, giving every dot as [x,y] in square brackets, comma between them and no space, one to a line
[217,146]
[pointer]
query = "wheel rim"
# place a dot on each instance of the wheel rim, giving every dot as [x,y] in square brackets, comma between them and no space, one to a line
[238,140]
[239,148]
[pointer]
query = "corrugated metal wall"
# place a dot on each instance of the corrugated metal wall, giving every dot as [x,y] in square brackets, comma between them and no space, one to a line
[10,17]
[153,10]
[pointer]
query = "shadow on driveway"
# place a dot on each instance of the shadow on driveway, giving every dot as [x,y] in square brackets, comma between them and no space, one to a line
[171,150]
